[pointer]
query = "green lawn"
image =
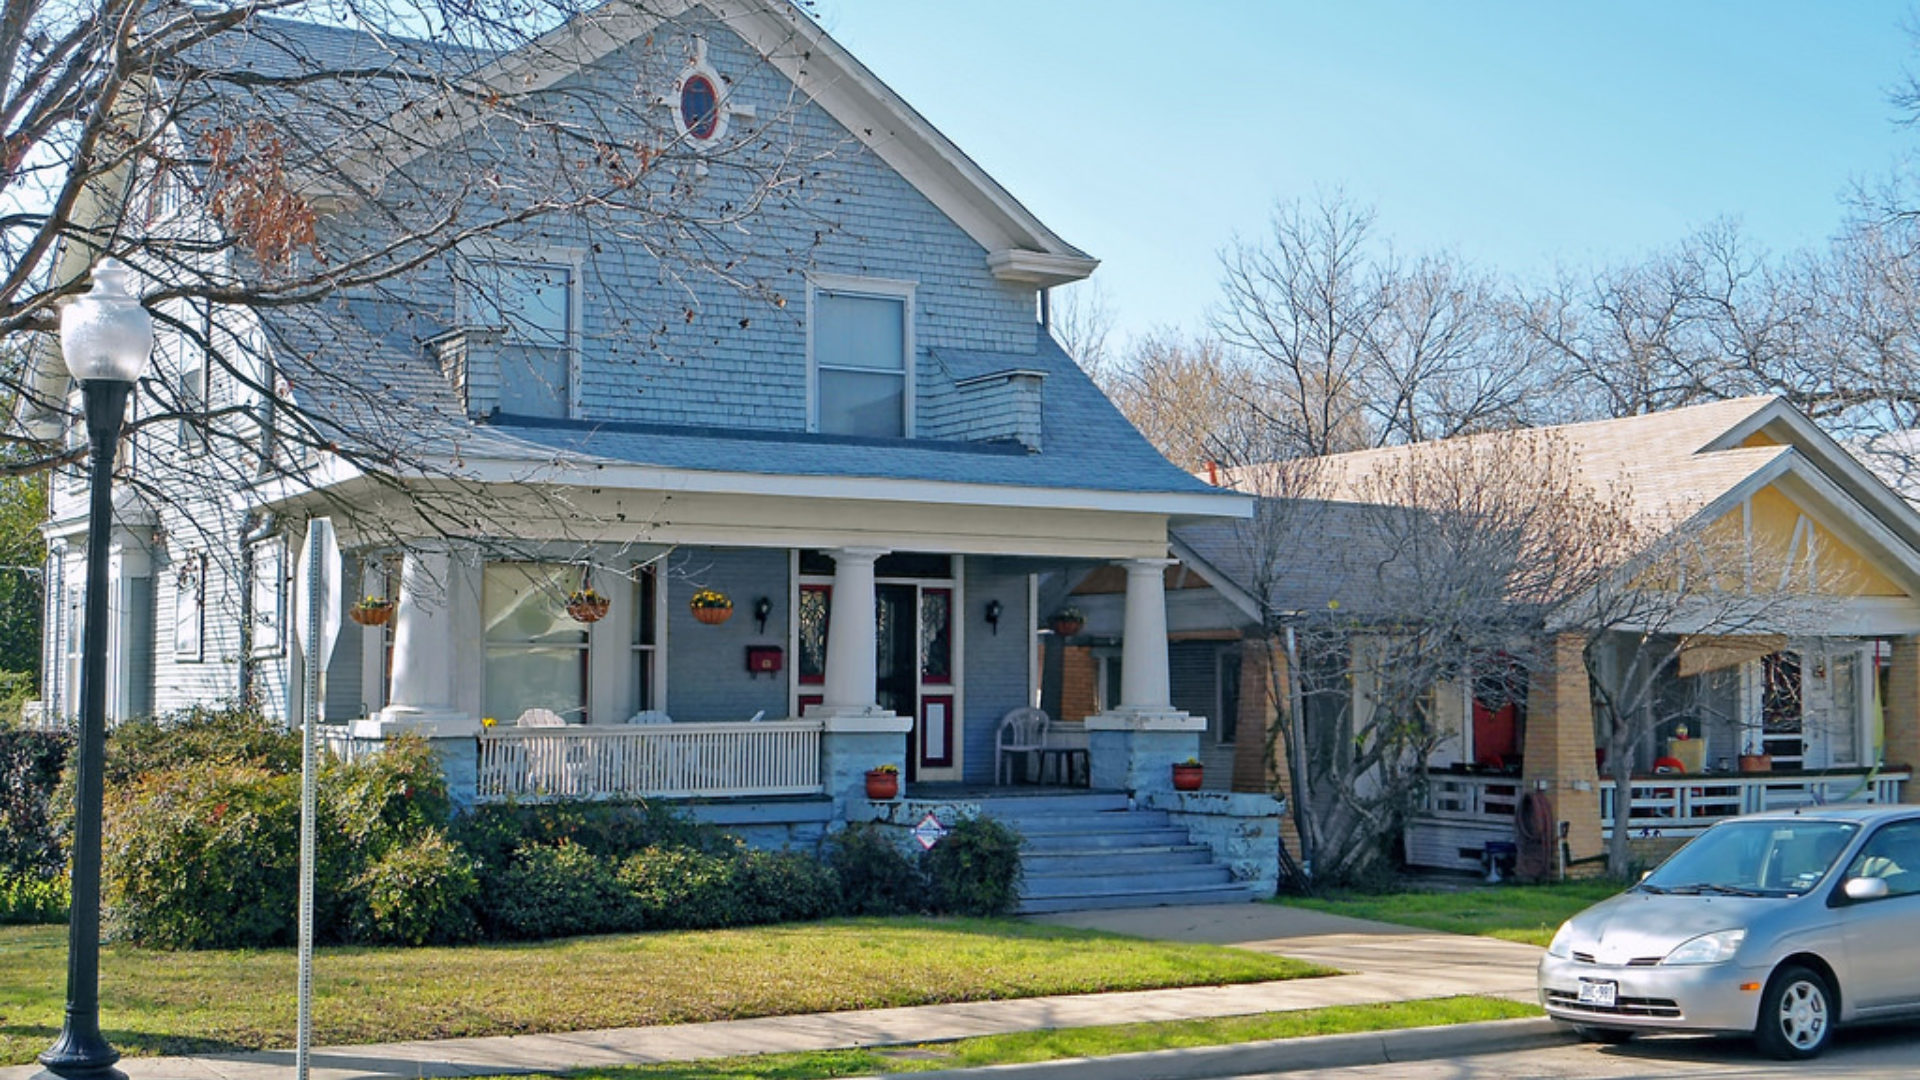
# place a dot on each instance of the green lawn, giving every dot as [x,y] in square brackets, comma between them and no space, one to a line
[1528,913]
[1034,1046]
[160,1002]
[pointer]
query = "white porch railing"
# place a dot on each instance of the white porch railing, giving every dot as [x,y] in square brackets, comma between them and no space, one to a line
[778,757]
[1479,800]
[1684,805]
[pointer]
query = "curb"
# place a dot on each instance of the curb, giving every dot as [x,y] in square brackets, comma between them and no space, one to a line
[1288,1055]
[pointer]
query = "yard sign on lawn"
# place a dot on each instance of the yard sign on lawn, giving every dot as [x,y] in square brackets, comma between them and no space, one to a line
[318,626]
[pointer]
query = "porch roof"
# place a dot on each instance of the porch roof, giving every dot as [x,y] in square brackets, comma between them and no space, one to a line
[387,394]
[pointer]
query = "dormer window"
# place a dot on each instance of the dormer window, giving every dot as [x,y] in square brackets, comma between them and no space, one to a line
[525,312]
[861,347]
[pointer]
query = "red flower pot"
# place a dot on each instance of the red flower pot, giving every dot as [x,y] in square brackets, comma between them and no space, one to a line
[882,785]
[1066,627]
[713,616]
[1187,777]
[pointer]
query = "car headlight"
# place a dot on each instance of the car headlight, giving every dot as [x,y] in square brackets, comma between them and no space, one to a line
[1561,946]
[1708,948]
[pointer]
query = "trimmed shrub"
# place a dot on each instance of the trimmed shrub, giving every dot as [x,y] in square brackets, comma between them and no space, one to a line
[201,736]
[417,892]
[396,796]
[785,886]
[26,898]
[678,888]
[32,841]
[975,869]
[611,830]
[876,877]
[204,858]
[559,891]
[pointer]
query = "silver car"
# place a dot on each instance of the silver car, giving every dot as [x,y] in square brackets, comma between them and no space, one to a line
[1783,925]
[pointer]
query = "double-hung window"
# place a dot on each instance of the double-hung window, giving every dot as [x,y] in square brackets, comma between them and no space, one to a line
[647,610]
[862,348]
[536,653]
[530,306]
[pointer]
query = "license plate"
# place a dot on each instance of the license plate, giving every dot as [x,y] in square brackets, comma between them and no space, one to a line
[1598,994]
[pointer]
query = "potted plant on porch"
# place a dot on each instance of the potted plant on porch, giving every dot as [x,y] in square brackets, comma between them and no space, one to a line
[1187,775]
[587,605]
[1067,622]
[371,611]
[711,606]
[883,782]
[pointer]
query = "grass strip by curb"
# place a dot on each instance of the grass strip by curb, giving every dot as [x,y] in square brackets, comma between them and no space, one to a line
[1028,1047]
[220,1001]
[1525,913]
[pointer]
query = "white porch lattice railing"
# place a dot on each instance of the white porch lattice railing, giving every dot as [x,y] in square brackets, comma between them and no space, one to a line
[1684,805]
[1462,812]
[779,757]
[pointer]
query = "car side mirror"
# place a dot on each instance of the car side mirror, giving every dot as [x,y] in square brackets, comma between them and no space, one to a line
[1860,889]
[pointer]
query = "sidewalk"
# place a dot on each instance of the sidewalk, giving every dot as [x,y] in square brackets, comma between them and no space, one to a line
[1385,963]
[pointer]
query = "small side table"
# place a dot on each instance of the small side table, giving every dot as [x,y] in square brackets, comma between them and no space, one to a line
[1063,759]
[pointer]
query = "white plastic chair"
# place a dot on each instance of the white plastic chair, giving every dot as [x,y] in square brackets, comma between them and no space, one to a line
[1022,732]
[540,718]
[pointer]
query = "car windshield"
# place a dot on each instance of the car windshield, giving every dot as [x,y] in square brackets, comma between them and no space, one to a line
[1753,858]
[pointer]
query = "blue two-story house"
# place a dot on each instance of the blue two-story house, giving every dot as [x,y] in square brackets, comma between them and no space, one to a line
[826,489]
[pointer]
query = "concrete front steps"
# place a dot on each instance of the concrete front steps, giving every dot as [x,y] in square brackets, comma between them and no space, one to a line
[1088,850]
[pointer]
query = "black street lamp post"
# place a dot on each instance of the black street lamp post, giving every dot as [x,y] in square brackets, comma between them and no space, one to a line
[107,339]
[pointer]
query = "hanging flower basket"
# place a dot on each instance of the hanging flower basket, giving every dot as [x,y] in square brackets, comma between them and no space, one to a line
[711,607]
[1067,621]
[883,782]
[372,611]
[587,606]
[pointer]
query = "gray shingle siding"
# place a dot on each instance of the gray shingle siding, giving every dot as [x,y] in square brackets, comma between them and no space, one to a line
[707,677]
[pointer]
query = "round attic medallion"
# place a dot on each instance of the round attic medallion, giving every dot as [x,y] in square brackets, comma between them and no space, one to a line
[699,107]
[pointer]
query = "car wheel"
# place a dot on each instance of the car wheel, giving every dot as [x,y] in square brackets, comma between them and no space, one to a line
[1610,1036]
[1797,1014]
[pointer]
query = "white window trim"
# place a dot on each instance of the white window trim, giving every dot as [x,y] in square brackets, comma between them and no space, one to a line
[573,258]
[658,568]
[884,288]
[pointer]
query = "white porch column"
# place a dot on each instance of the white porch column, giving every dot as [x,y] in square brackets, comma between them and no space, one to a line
[1144,685]
[1133,746]
[856,733]
[850,633]
[127,560]
[424,652]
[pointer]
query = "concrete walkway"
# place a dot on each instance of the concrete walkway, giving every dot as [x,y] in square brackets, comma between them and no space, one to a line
[1384,963]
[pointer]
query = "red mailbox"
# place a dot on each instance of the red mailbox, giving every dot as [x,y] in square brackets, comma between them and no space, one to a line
[763,659]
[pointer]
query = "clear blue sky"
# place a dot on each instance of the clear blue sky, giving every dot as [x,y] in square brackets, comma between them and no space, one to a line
[1523,136]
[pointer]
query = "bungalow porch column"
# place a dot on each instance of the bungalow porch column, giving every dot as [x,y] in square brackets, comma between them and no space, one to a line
[436,600]
[1133,746]
[1901,734]
[1558,757]
[856,733]
[424,695]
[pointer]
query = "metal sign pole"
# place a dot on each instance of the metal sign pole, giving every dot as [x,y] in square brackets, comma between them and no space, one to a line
[316,571]
[319,627]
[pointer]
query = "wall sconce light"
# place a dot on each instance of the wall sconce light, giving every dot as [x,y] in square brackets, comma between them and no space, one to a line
[993,616]
[762,608]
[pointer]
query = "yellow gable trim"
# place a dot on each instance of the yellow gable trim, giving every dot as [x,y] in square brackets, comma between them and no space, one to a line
[1783,532]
